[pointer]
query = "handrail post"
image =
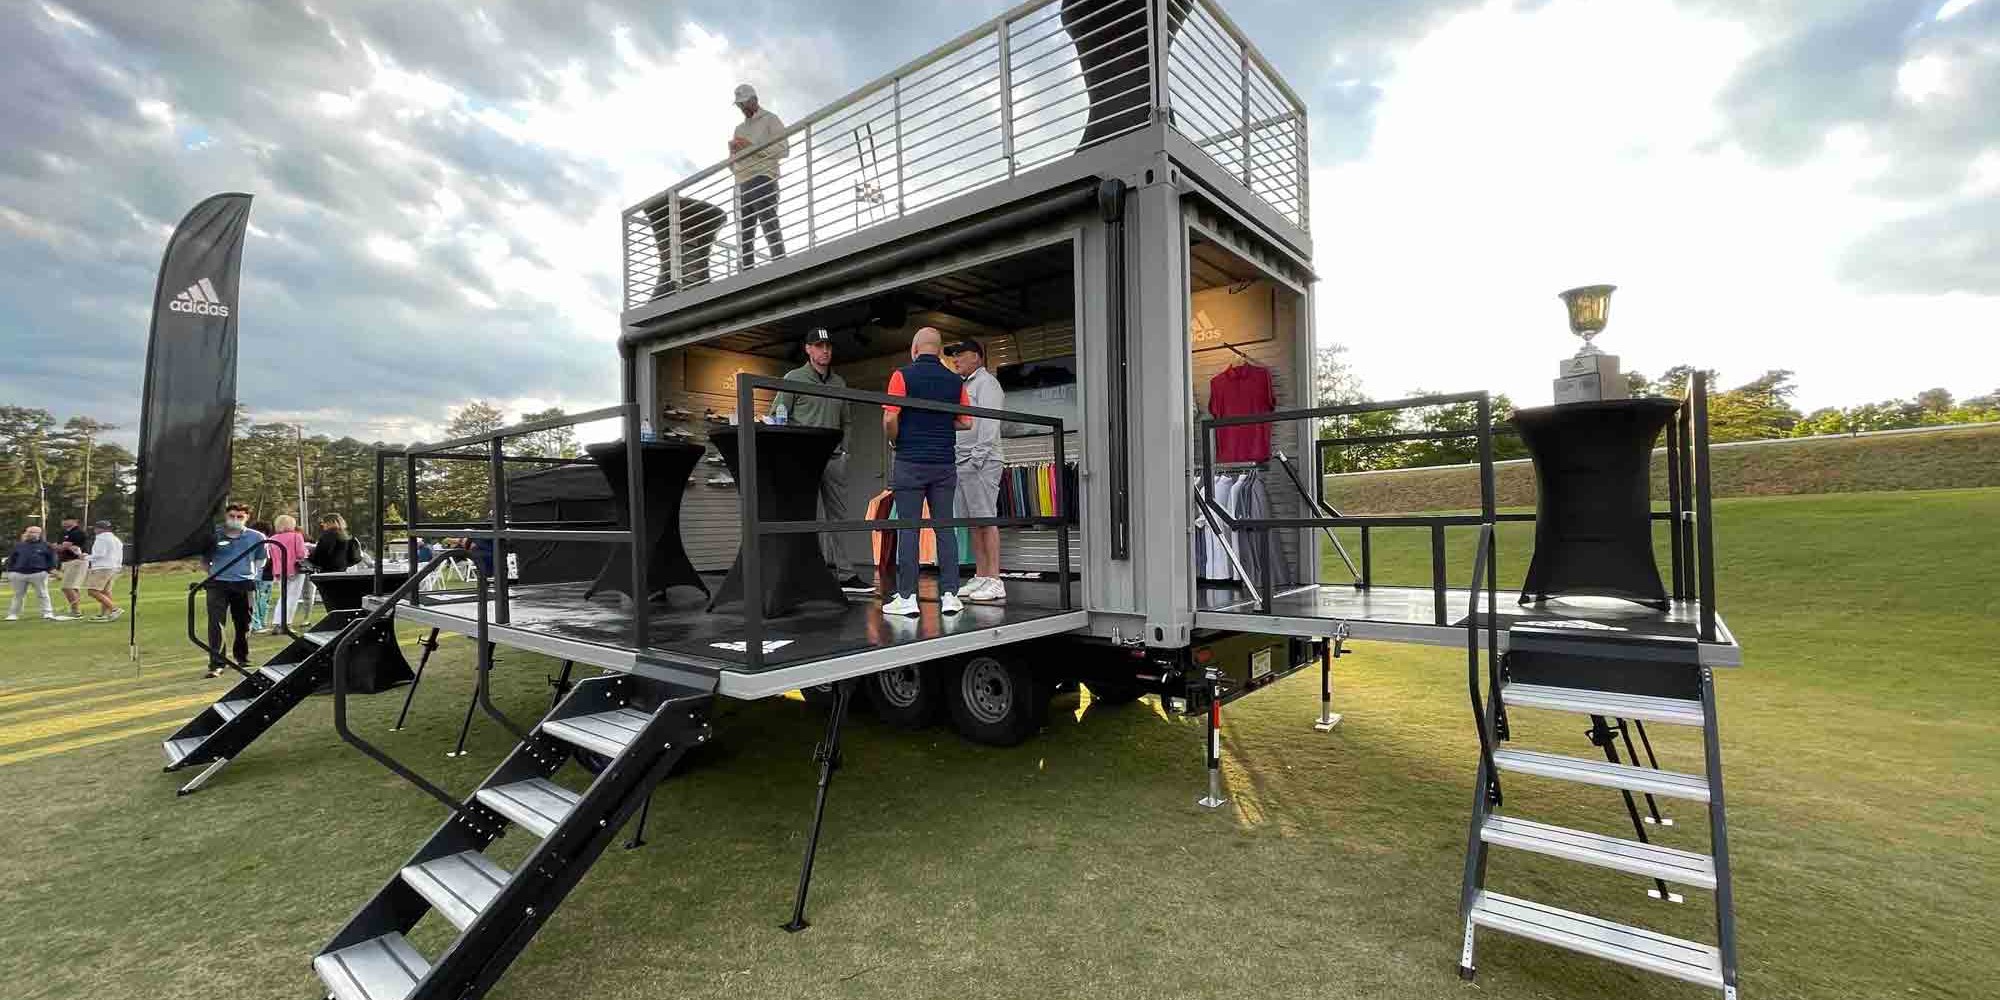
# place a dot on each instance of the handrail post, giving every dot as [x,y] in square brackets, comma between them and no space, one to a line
[673,261]
[812,198]
[496,492]
[1438,604]
[746,487]
[897,96]
[1156,62]
[1243,137]
[381,518]
[1704,508]
[635,490]
[1673,506]
[411,516]
[1005,31]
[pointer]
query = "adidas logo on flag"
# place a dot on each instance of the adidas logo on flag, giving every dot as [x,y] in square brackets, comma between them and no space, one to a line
[200,299]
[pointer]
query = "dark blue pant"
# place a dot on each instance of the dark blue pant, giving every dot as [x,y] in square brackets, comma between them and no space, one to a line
[759,198]
[914,484]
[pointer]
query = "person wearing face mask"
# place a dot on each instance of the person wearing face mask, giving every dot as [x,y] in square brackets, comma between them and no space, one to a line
[230,592]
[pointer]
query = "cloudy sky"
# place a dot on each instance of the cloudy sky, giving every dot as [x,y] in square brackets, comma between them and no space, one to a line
[1806,184]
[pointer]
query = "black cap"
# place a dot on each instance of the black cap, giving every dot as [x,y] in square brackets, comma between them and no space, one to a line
[965,344]
[102,525]
[818,335]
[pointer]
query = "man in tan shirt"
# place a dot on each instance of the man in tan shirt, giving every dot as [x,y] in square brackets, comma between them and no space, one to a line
[757,174]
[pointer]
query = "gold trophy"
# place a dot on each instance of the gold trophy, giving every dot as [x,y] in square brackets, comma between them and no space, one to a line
[1591,374]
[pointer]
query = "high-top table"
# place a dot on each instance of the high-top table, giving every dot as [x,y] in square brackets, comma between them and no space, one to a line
[1593,503]
[665,467]
[790,461]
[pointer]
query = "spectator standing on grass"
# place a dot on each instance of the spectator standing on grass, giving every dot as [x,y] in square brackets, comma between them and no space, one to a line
[757,174]
[28,566]
[924,471]
[288,572]
[107,557]
[73,552]
[336,551]
[234,584]
[260,603]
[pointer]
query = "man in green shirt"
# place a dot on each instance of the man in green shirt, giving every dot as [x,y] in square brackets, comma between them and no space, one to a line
[820,411]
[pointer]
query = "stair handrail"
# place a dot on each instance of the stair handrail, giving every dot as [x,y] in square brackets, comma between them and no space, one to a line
[344,649]
[284,624]
[1483,709]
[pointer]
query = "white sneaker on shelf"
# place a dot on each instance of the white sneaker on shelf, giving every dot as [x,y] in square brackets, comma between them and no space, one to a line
[950,604]
[904,605]
[991,591]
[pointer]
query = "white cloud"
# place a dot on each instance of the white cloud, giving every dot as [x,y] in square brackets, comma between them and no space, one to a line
[63,16]
[1922,77]
[391,249]
[1519,152]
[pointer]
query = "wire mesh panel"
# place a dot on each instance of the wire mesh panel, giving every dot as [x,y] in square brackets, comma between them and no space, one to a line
[1028,88]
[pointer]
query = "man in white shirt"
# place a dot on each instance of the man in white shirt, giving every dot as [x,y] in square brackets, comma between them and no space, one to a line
[978,458]
[107,555]
[756,168]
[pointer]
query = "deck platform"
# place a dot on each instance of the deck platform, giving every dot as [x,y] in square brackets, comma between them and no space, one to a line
[816,645]
[1409,614]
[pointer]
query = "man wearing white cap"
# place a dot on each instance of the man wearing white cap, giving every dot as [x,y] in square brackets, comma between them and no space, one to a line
[756,168]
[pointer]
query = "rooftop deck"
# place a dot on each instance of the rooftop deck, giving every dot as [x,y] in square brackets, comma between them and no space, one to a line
[1028,89]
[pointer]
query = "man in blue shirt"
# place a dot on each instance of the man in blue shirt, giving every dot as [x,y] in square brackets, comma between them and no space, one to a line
[229,593]
[925,469]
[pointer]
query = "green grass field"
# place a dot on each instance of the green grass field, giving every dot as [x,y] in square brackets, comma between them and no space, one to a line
[1860,744]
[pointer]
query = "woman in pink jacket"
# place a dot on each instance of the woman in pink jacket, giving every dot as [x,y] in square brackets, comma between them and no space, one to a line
[286,576]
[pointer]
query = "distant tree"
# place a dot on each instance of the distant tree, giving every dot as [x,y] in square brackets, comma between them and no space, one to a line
[557,443]
[1755,410]
[24,444]
[1334,381]
[458,491]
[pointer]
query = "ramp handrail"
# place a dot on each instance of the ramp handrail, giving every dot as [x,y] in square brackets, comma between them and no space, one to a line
[1485,712]
[755,528]
[344,649]
[284,606]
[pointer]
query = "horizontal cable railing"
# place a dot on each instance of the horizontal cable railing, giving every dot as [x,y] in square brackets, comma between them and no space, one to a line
[1032,86]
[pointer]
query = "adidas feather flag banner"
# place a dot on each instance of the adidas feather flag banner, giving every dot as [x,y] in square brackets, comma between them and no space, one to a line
[188,411]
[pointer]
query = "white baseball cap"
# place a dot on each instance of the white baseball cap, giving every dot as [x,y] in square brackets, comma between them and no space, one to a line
[745,93]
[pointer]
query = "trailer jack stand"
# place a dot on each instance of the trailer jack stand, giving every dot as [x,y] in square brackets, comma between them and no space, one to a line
[827,754]
[1328,718]
[639,832]
[430,645]
[202,779]
[466,726]
[1214,799]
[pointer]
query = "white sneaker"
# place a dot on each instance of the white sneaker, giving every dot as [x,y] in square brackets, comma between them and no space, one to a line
[904,605]
[991,591]
[13,618]
[50,616]
[950,604]
[970,587]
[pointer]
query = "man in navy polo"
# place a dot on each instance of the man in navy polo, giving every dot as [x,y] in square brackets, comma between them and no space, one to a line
[925,468]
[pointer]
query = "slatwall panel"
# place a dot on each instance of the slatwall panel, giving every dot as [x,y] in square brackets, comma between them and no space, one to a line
[711,516]
[1276,354]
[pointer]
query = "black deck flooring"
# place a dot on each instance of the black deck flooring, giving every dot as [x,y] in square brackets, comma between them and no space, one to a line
[816,632]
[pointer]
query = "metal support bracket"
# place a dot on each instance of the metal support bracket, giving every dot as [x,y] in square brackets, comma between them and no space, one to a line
[1214,799]
[1330,651]
[202,779]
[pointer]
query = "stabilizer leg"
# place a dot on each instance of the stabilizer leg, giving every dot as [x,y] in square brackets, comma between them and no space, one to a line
[430,645]
[201,779]
[827,753]
[1214,799]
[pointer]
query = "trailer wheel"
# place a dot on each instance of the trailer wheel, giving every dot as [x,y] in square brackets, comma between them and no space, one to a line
[906,697]
[1113,692]
[996,701]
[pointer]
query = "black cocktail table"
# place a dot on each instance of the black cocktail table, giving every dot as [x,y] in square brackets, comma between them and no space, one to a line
[790,462]
[665,466]
[1593,505]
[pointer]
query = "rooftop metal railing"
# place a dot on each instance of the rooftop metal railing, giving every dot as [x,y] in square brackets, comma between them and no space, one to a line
[1031,86]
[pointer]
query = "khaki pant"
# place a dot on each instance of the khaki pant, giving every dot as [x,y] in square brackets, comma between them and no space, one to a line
[22,583]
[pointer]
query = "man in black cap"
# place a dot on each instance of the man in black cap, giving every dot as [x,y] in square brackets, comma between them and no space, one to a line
[820,411]
[977,456]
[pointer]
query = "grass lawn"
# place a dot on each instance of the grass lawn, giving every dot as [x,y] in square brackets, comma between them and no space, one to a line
[1860,744]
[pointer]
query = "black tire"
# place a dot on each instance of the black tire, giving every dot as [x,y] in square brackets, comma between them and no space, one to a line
[1113,692]
[996,700]
[906,697]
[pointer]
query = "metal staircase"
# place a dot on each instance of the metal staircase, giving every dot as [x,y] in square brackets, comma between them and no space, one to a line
[642,726]
[262,697]
[1617,681]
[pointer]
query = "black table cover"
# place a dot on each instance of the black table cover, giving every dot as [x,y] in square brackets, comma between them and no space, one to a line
[665,466]
[1593,509]
[790,462]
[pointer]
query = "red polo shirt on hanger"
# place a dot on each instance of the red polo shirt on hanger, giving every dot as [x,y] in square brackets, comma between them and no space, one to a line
[1238,391]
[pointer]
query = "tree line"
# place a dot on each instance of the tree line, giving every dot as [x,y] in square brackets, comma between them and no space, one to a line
[51,469]
[1756,410]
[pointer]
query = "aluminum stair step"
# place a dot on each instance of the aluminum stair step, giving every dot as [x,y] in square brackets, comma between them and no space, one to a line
[607,733]
[383,968]
[178,750]
[1583,701]
[1626,945]
[278,671]
[229,710]
[1603,773]
[319,638]
[1652,860]
[458,886]
[536,805]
